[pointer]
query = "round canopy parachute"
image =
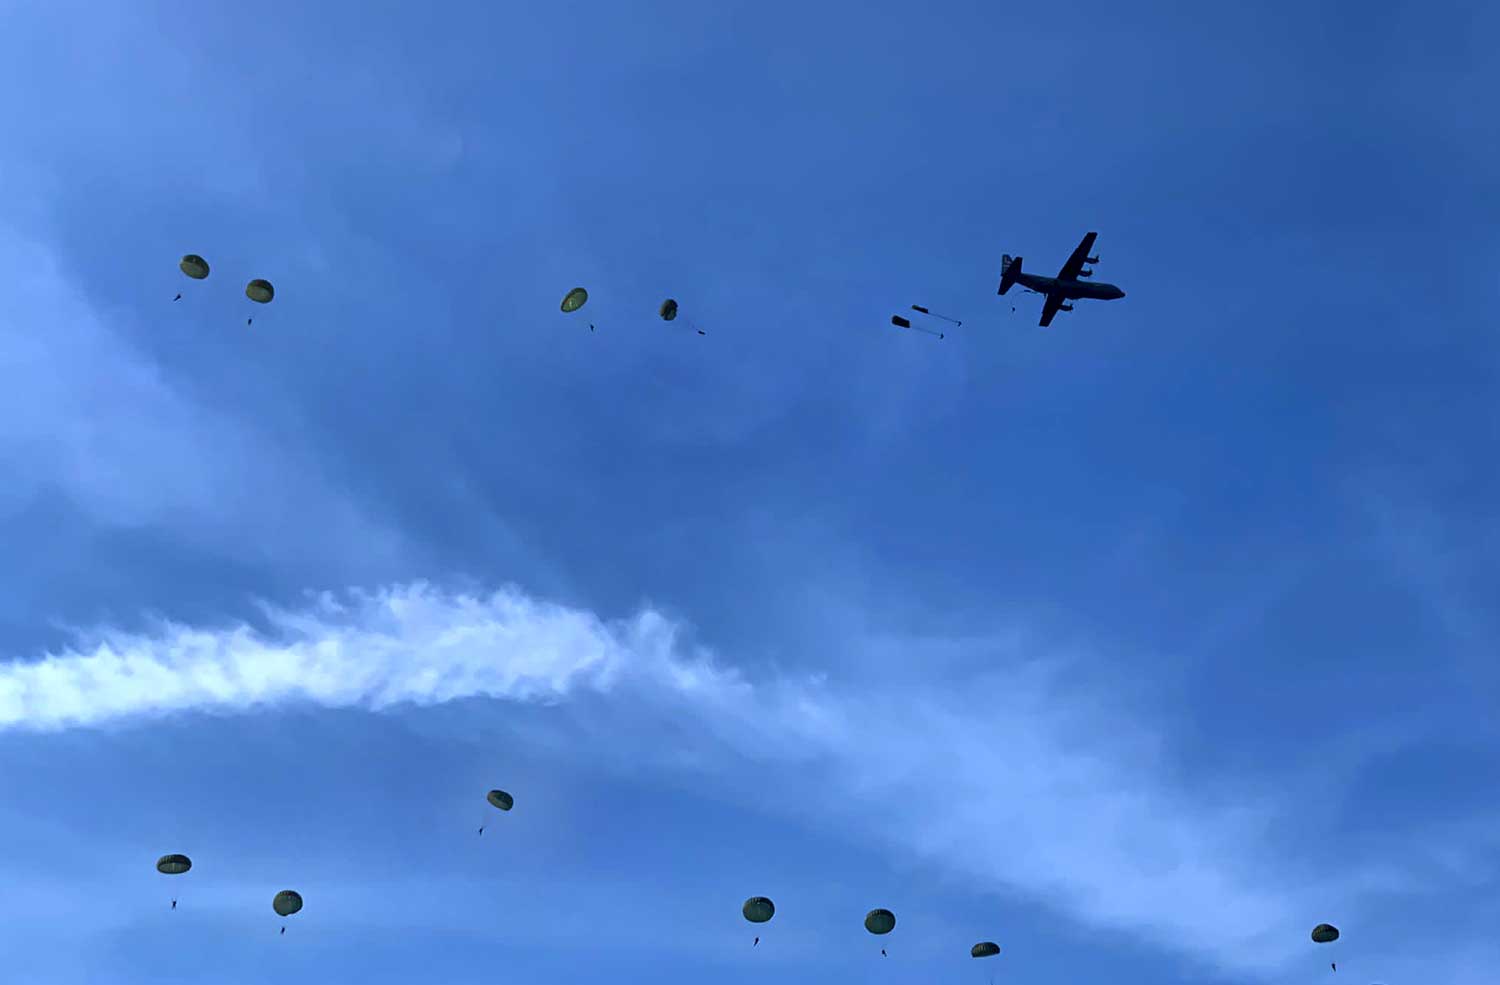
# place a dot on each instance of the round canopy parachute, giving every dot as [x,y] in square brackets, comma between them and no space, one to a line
[1325,933]
[173,865]
[984,949]
[260,291]
[501,799]
[194,266]
[758,909]
[287,902]
[574,299]
[668,310]
[880,921]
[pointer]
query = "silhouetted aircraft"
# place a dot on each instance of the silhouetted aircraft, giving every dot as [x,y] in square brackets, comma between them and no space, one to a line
[1068,285]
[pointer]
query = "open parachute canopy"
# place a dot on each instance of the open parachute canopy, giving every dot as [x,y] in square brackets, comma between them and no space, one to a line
[758,909]
[287,902]
[173,865]
[194,266]
[500,799]
[1325,933]
[260,291]
[668,310]
[574,299]
[984,949]
[880,921]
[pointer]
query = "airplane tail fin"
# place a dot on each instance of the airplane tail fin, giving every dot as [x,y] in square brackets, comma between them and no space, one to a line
[1010,269]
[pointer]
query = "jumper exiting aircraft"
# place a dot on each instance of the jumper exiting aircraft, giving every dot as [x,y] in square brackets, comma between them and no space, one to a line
[1066,286]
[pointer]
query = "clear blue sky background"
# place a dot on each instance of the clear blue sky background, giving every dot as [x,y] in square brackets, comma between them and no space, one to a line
[1139,645]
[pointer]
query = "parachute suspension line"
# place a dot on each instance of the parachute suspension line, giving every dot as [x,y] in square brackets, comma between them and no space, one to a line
[758,910]
[933,314]
[261,292]
[986,949]
[286,903]
[879,922]
[173,865]
[500,800]
[1326,933]
[667,311]
[900,322]
[194,266]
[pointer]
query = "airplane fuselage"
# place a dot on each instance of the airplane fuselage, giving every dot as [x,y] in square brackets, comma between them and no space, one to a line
[1071,290]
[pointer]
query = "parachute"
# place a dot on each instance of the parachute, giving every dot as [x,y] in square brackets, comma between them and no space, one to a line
[499,799]
[984,949]
[194,266]
[173,865]
[285,903]
[574,299]
[880,921]
[1326,933]
[668,312]
[758,909]
[259,291]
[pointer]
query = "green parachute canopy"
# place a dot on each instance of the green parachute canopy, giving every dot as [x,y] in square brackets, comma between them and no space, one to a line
[880,921]
[574,299]
[758,909]
[668,310]
[1325,933]
[984,949]
[501,799]
[173,865]
[287,902]
[260,291]
[194,266]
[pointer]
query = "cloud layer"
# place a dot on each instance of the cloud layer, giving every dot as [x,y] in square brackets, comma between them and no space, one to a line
[1012,783]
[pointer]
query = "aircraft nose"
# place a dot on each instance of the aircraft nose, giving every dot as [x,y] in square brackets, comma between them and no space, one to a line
[1119,293]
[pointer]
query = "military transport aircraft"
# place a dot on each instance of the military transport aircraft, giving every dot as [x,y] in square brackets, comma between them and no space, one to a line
[1066,286]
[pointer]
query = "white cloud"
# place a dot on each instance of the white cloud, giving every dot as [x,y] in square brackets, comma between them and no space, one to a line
[1019,783]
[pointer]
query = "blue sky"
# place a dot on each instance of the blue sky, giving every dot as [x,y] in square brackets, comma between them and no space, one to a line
[1139,644]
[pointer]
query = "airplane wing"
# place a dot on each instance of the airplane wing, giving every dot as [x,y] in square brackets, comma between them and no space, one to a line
[1075,262]
[1053,302]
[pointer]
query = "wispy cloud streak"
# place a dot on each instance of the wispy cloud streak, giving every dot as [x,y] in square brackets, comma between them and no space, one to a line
[1040,791]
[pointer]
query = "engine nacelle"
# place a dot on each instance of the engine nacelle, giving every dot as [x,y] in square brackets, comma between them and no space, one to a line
[1092,260]
[1085,272]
